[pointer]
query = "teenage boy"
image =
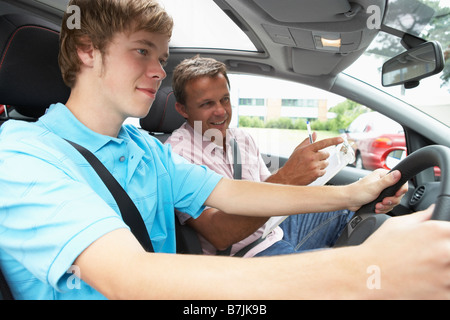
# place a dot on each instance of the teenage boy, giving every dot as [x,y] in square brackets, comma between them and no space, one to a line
[57,217]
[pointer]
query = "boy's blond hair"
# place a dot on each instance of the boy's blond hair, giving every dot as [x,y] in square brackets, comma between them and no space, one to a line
[100,21]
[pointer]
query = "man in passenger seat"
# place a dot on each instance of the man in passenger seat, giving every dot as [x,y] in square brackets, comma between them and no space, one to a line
[201,87]
[62,236]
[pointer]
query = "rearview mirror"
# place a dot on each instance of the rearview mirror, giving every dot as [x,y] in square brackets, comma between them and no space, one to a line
[412,65]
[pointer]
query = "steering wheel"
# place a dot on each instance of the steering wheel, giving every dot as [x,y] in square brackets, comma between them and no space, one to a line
[365,221]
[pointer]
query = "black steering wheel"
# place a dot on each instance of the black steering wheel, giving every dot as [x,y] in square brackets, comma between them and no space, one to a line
[365,221]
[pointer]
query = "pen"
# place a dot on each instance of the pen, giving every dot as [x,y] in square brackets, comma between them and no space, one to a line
[308,126]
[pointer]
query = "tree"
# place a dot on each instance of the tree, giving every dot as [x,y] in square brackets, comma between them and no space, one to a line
[346,112]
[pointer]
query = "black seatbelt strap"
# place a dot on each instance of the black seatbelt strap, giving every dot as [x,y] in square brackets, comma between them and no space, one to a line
[4,288]
[130,214]
[237,162]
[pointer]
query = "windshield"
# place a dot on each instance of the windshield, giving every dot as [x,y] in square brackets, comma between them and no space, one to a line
[427,19]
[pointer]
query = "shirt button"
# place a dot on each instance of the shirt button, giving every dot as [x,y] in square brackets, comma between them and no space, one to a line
[122,159]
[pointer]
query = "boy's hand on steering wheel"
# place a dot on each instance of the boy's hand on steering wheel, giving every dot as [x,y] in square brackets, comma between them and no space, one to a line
[370,187]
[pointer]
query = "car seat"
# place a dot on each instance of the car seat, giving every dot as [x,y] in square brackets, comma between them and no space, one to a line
[160,122]
[162,118]
[30,79]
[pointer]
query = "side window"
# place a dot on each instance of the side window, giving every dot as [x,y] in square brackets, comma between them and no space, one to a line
[275,113]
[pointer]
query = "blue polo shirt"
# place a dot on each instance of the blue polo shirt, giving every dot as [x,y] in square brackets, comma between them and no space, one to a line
[53,205]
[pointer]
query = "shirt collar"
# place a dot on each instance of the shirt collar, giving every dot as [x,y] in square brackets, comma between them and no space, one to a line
[59,120]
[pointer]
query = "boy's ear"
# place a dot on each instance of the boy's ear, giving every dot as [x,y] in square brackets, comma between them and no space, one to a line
[181,108]
[85,52]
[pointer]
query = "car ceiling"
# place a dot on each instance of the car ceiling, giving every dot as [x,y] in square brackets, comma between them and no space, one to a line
[285,32]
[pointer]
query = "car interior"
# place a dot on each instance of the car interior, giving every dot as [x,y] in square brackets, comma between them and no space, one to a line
[289,40]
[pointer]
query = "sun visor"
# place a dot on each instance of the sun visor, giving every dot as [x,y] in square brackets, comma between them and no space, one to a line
[306,10]
[335,26]
[339,42]
[321,63]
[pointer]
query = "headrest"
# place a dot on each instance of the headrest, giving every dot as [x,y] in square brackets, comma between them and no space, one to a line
[163,117]
[30,78]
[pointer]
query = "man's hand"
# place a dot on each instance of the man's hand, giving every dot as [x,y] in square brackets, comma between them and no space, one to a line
[370,187]
[307,163]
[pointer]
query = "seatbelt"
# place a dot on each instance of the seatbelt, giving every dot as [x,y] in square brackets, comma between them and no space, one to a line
[5,291]
[130,214]
[237,163]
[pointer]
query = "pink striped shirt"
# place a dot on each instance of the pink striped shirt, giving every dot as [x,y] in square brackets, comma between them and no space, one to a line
[190,144]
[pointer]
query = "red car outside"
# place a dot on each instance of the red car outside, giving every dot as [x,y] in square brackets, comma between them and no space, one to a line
[370,135]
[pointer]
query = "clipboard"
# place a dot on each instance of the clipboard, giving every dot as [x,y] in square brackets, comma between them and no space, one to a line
[340,156]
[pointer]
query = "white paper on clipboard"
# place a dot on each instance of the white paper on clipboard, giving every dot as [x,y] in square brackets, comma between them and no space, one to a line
[340,156]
